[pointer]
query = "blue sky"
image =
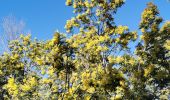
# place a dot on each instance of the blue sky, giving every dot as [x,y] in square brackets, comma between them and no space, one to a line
[43,17]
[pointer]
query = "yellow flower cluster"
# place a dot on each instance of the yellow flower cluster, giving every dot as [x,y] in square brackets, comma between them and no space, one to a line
[121,29]
[39,61]
[132,61]
[1,73]
[147,14]
[167,45]
[26,39]
[68,2]
[70,24]
[114,60]
[12,87]
[148,70]
[46,81]
[87,4]
[51,71]
[29,84]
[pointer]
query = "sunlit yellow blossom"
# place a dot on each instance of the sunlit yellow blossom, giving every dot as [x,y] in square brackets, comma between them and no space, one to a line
[51,71]
[1,72]
[25,87]
[119,59]
[142,37]
[39,61]
[98,12]
[87,4]
[43,71]
[121,29]
[26,39]
[111,59]
[148,70]
[46,81]
[54,88]
[12,87]
[167,45]
[15,56]
[87,97]
[118,97]
[68,2]
[117,40]
[143,30]
[32,81]
[147,14]
[91,89]
[132,61]
[122,83]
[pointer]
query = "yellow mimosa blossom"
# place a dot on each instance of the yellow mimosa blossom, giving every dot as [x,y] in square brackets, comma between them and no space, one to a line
[51,71]
[118,97]
[142,37]
[91,90]
[68,2]
[39,61]
[43,71]
[143,30]
[74,5]
[111,59]
[121,29]
[119,59]
[132,61]
[87,4]
[32,81]
[15,56]
[54,88]
[167,45]
[1,72]
[87,97]
[25,87]
[117,40]
[148,70]
[46,81]
[12,87]
[98,12]
[122,83]
[147,14]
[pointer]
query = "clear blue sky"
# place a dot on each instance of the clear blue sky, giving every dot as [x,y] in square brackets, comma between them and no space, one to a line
[43,17]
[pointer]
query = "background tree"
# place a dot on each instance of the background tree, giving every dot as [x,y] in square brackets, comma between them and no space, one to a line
[11,30]
[149,75]
[97,44]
